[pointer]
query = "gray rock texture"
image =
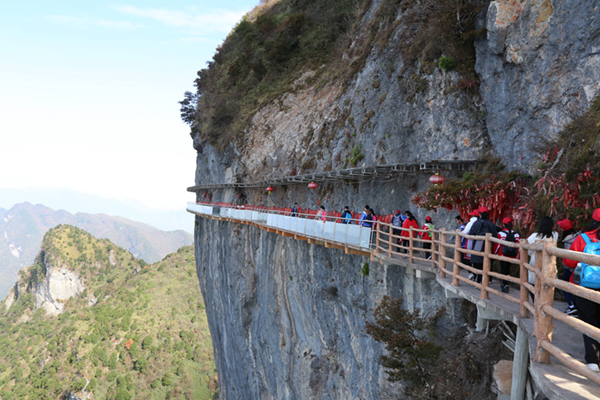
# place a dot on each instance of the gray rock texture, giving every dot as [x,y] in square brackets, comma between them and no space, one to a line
[287,318]
[539,68]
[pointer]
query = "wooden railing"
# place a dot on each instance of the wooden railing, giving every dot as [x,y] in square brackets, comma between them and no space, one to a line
[445,258]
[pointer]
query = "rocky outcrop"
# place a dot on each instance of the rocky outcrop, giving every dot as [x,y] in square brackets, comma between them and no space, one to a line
[58,286]
[540,68]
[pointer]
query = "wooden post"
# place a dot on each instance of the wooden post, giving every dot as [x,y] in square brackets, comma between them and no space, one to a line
[410,244]
[390,240]
[441,251]
[536,292]
[487,263]
[378,238]
[546,297]
[456,270]
[520,364]
[523,274]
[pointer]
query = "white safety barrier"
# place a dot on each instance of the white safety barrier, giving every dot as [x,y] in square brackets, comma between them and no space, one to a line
[343,234]
[196,208]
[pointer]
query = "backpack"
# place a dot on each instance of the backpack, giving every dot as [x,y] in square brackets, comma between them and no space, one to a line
[397,220]
[587,275]
[510,251]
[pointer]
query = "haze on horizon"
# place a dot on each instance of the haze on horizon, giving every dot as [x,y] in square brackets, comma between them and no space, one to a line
[89,94]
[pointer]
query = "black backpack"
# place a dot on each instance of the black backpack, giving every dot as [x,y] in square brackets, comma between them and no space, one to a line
[510,251]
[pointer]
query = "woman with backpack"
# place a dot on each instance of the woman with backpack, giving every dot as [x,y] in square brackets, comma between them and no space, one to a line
[481,227]
[508,235]
[409,222]
[589,311]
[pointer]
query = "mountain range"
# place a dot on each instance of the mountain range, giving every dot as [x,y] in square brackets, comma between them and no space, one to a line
[75,201]
[23,226]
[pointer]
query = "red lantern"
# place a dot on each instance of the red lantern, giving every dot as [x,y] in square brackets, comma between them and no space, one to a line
[269,190]
[312,185]
[437,179]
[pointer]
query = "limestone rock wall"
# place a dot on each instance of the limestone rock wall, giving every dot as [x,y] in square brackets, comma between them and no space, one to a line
[59,284]
[287,317]
[539,67]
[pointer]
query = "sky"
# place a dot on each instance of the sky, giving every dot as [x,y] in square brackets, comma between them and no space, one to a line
[89,93]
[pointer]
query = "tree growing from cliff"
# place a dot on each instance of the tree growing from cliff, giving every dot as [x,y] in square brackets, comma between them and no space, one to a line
[406,337]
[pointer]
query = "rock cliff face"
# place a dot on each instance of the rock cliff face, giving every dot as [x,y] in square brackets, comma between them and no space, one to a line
[539,68]
[60,284]
[286,317]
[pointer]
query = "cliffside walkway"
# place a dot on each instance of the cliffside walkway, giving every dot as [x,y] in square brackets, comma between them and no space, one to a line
[548,342]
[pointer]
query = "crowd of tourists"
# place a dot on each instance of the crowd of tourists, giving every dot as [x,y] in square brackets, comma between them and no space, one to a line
[479,224]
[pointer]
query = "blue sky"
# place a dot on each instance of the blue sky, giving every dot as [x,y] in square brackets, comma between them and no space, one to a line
[89,92]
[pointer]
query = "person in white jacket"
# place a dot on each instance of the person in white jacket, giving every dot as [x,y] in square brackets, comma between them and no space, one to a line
[545,231]
[474,217]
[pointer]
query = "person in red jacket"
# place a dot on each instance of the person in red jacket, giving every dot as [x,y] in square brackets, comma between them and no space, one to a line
[425,235]
[589,311]
[408,222]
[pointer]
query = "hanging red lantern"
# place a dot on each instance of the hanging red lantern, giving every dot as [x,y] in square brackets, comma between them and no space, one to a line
[269,190]
[437,179]
[312,185]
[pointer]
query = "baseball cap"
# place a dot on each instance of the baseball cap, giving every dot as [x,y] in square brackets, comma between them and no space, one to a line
[596,214]
[507,220]
[428,218]
[483,209]
[565,224]
[474,213]
[397,211]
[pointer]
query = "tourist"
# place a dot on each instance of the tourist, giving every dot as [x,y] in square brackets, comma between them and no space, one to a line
[589,311]
[409,222]
[567,238]
[396,231]
[295,210]
[545,231]
[368,220]
[508,235]
[463,242]
[374,216]
[346,216]
[428,226]
[481,227]
[469,245]
[363,215]
[322,214]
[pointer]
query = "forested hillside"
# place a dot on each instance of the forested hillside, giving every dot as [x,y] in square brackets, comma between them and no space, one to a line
[135,331]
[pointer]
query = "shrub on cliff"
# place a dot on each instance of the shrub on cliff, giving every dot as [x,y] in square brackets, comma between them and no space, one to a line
[260,59]
[406,337]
